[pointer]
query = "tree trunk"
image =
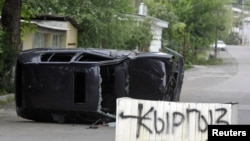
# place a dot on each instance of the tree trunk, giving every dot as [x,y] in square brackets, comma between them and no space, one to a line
[11,15]
[10,42]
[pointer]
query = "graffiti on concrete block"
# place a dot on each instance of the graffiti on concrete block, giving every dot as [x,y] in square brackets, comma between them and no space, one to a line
[160,124]
[170,119]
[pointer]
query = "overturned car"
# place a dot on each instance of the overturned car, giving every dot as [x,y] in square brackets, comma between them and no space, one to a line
[65,85]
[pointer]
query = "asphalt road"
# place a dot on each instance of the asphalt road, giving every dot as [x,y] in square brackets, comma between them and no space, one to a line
[222,84]
[213,84]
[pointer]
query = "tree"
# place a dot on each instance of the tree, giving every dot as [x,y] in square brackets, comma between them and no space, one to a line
[11,42]
[104,23]
[193,23]
[11,15]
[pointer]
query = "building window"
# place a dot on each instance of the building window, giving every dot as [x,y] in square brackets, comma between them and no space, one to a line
[56,41]
[40,40]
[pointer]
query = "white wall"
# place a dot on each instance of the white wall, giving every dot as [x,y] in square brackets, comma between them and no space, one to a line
[246,32]
[144,120]
[156,43]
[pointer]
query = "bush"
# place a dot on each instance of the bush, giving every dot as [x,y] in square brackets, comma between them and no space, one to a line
[232,39]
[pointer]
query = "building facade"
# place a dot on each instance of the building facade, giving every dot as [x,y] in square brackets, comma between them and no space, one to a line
[246,31]
[51,32]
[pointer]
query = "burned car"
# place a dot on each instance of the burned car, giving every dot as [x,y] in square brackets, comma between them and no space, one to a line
[73,84]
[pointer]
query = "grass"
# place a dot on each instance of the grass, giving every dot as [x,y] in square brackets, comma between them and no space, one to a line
[6,101]
[213,61]
[188,66]
[2,92]
[205,58]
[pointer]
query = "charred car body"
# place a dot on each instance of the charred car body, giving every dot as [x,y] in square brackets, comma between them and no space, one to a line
[73,84]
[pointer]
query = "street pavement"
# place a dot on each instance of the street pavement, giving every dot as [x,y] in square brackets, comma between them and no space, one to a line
[224,83]
[212,84]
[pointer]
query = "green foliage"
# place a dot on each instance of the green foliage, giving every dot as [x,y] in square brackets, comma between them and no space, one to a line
[105,24]
[138,36]
[1,50]
[102,24]
[6,100]
[243,4]
[1,4]
[232,39]
[192,24]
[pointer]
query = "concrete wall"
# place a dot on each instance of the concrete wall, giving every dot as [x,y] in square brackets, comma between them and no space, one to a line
[27,41]
[144,120]
[246,31]
[156,42]
[71,37]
